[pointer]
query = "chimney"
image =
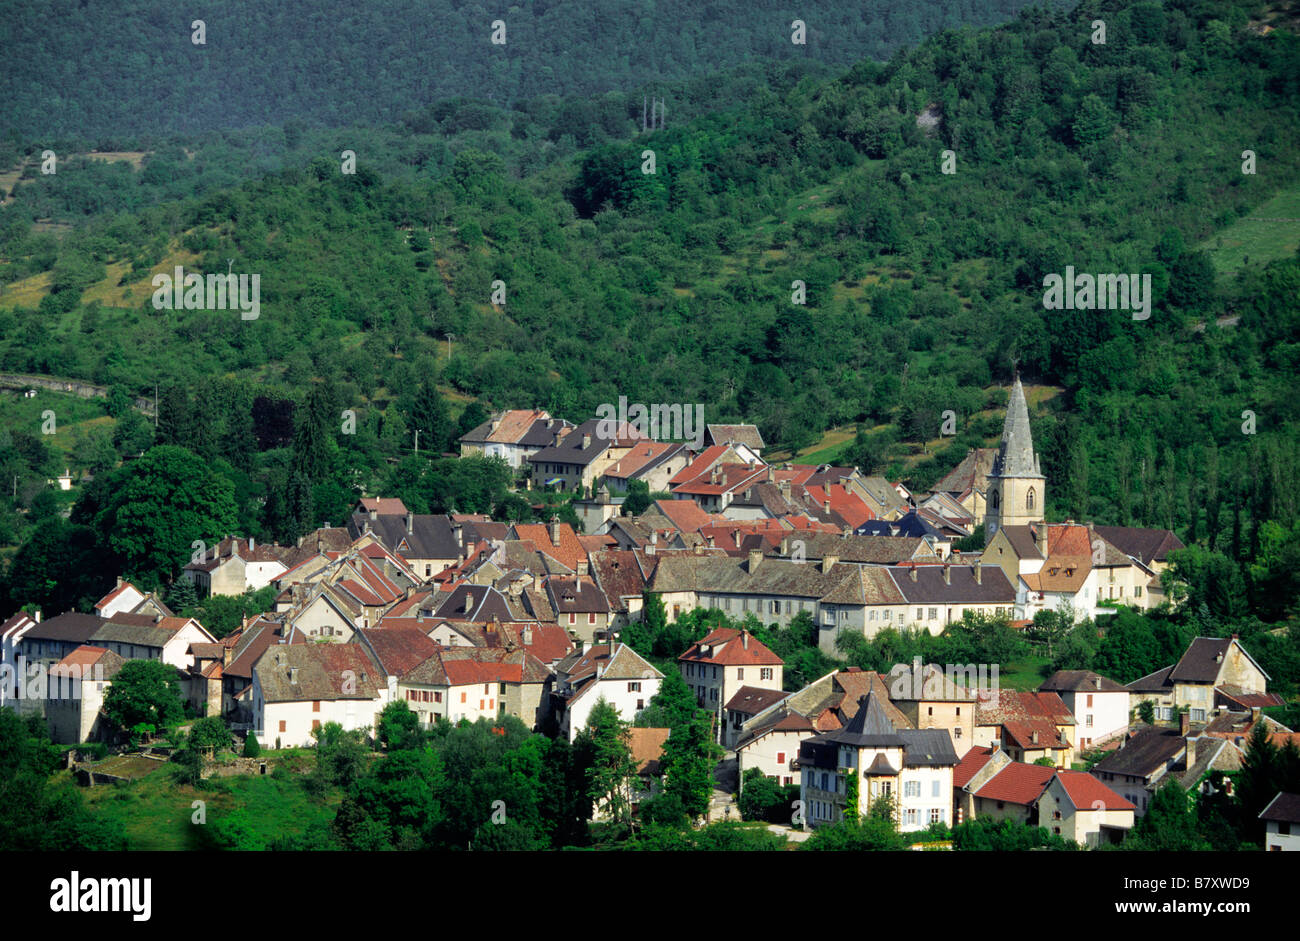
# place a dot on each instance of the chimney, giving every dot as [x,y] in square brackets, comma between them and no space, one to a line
[374,514]
[555,442]
[457,534]
[755,560]
[252,544]
[1041,539]
[555,531]
[293,675]
[586,442]
[37,614]
[947,574]
[410,521]
[771,473]
[526,635]
[119,582]
[1184,722]
[912,573]
[826,505]
[709,540]
[829,562]
[1096,682]
[978,573]
[1033,737]
[715,475]
[785,545]
[419,615]
[280,658]
[744,639]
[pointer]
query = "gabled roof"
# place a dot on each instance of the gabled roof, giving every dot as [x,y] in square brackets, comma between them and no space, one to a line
[1081,681]
[585,443]
[686,515]
[748,435]
[751,700]
[99,661]
[727,646]
[398,649]
[970,475]
[576,595]
[1017,783]
[927,748]
[1143,753]
[1145,545]
[647,746]
[970,765]
[565,548]
[1284,808]
[325,672]
[1202,662]
[1153,682]
[69,626]
[1085,792]
[508,427]
[642,457]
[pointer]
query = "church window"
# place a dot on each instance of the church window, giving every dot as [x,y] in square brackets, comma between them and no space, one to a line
[1029,499]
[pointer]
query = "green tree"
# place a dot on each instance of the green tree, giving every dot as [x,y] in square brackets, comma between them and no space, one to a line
[144,691]
[399,727]
[251,748]
[1169,825]
[606,743]
[673,706]
[689,757]
[210,732]
[158,505]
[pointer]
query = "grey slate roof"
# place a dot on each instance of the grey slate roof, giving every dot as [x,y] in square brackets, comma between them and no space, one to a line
[926,747]
[869,728]
[1016,450]
[1084,681]
[1143,754]
[71,626]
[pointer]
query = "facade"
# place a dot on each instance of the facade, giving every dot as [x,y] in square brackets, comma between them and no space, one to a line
[299,687]
[1100,706]
[75,694]
[1282,823]
[621,677]
[717,665]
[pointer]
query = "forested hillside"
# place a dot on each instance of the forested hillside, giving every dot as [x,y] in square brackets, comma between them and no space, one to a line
[105,69]
[923,288]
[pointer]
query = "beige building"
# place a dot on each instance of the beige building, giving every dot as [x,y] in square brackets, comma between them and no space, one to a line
[717,665]
[75,694]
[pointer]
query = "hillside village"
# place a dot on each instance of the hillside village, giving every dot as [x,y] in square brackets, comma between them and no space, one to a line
[464,618]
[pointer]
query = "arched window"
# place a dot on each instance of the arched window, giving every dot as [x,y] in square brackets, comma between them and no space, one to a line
[993,501]
[1029,499]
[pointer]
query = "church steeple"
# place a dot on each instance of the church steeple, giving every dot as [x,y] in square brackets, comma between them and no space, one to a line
[1017,487]
[1016,456]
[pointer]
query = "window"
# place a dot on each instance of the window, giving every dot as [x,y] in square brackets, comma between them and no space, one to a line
[282,725]
[871,616]
[1029,499]
[765,673]
[315,706]
[634,687]
[1198,715]
[956,733]
[480,705]
[909,816]
[437,697]
[911,788]
[1088,720]
[780,758]
[920,613]
[591,618]
[1137,591]
[315,723]
[930,710]
[1089,703]
[934,613]
[1056,815]
[740,673]
[934,788]
[713,694]
[936,815]
[573,618]
[640,704]
[462,697]
[485,688]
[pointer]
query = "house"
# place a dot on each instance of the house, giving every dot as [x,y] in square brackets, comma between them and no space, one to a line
[234,566]
[1141,763]
[425,543]
[1028,726]
[1148,547]
[747,702]
[929,699]
[12,632]
[141,637]
[622,576]
[619,676]
[967,483]
[51,640]
[75,694]
[717,665]
[1100,706]
[745,439]
[299,687]
[1078,807]
[715,489]
[1282,823]
[654,463]
[579,606]
[1071,804]
[243,649]
[578,459]
[772,745]
[913,766]
[914,524]
[1209,664]
[514,436]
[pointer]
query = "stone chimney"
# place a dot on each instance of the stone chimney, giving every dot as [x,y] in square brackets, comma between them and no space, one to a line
[1096,682]
[744,639]
[410,521]
[526,635]
[586,441]
[912,573]
[771,473]
[785,545]
[252,544]
[555,532]
[829,562]
[1041,538]
[709,540]
[978,574]
[1033,737]
[947,574]
[457,534]
[293,675]
[755,560]
[1184,722]
[374,514]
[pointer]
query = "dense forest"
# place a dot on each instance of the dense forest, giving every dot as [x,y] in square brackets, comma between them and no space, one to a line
[923,288]
[105,69]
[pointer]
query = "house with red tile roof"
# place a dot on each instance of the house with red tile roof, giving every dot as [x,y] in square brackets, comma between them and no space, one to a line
[1078,807]
[654,463]
[234,566]
[717,665]
[1026,725]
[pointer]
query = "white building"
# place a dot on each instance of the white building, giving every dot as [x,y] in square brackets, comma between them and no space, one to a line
[1100,706]
[622,678]
[300,687]
[1282,823]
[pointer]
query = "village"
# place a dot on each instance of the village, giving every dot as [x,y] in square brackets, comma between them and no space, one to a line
[464,618]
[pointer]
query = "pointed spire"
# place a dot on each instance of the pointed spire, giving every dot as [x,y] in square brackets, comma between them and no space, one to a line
[1016,452]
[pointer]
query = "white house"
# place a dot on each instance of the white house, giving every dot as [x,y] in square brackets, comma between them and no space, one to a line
[152,637]
[300,687]
[1100,706]
[1282,823]
[622,678]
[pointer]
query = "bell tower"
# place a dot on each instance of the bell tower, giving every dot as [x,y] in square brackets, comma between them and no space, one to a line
[1017,487]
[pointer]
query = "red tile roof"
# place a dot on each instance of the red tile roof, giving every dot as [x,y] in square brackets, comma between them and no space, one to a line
[1085,792]
[1017,783]
[729,647]
[970,765]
